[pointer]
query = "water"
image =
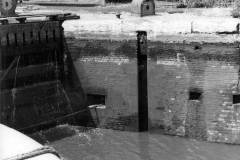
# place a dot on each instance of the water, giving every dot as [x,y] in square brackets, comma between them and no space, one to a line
[105,144]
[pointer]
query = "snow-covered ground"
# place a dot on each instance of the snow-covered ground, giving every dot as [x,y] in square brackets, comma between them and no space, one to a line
[191,23]
[215,20]
[68,2]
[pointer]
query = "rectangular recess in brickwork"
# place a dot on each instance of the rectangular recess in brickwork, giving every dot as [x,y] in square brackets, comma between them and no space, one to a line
[95,99]
[195,94]
[236,98]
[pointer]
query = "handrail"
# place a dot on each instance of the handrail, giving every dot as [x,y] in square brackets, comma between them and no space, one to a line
[37,152]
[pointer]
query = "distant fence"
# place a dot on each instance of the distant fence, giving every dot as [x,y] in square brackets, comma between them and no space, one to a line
[189,3]
[225,3]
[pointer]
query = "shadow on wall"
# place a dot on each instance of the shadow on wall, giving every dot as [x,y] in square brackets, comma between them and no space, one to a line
[76,94]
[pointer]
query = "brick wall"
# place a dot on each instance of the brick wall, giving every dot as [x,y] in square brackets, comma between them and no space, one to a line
[174,70]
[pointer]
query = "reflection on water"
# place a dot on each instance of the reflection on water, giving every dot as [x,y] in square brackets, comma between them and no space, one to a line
[116,60]
[102,144]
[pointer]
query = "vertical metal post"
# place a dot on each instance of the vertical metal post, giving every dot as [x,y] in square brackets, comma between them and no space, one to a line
[142,81]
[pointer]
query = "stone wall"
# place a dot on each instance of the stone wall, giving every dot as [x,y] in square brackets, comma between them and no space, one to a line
[190,86]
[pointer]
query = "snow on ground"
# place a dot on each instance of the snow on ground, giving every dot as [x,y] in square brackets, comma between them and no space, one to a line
[213,21]
[192,23]
[68,2]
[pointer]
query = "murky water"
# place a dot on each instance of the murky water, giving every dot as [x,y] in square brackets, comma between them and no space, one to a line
[104,144]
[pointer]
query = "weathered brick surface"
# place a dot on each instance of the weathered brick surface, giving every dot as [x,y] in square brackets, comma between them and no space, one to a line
[195,126]
[110,68]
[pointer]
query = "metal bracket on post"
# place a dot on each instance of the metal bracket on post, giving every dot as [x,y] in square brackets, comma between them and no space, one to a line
[142,81]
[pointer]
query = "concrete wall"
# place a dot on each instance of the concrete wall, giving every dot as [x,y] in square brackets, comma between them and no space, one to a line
[175,71]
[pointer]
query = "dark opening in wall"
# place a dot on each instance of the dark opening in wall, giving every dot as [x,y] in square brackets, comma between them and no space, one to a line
[236,98]
[95,99]
[147,7]
[196,47]
[195,94]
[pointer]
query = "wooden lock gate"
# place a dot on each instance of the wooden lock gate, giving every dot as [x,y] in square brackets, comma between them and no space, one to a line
[33,70]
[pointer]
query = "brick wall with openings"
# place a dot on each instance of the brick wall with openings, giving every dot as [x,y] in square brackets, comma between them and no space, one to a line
[109,68]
